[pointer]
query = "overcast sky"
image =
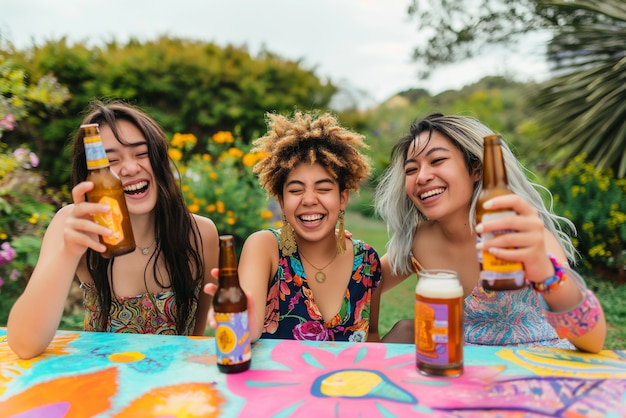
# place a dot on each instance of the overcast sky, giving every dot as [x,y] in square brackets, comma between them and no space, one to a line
[364,43]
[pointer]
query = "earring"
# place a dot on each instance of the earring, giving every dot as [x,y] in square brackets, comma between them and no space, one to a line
[341,235]
[287,239]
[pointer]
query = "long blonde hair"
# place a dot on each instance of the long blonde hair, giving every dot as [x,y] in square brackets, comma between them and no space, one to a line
[466,133]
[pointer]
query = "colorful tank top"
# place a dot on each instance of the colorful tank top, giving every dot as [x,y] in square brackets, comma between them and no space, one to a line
[512,318]
[148,313]
[291,311]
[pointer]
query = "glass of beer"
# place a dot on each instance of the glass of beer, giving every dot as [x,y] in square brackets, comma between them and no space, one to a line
[439,323]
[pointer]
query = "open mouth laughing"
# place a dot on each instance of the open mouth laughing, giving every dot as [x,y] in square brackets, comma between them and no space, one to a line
[309,219]
[136,188]
[431,193]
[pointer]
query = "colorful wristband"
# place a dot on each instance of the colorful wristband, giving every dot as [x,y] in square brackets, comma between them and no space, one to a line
[554,282]
[577,321]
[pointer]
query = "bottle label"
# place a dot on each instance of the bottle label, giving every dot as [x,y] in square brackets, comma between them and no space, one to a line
[232,338]
[431,333]
[112,220]
[493,268]
[94,153]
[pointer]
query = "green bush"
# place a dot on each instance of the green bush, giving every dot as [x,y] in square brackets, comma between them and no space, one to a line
[596,202]
[185,85]
[23,219]
[24,210]
[219,183]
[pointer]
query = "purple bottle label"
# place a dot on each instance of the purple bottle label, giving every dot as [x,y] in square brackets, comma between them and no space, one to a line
[232,338]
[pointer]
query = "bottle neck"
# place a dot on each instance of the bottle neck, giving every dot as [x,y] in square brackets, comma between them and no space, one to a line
[228,275]
[494,169]
[94,153]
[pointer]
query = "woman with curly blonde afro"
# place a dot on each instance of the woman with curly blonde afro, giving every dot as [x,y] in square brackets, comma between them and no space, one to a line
[306,281]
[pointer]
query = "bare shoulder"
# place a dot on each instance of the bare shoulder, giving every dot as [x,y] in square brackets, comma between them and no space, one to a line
[259,256]
[261,239]
[206,226]
[260,246]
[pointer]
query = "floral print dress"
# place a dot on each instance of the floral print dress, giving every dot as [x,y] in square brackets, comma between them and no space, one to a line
[148,313]
[291,311]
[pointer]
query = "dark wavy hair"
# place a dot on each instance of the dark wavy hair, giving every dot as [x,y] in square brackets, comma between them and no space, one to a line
[178,240]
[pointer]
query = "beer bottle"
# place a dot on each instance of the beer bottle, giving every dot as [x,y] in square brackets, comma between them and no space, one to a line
[232,335]
[107,190]
[495,274]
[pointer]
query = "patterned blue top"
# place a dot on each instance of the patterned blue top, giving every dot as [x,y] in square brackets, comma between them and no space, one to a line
[291,311]
[512,318]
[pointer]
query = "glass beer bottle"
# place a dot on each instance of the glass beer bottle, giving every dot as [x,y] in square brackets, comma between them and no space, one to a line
[107,190]
[495,274]
[230,305]
[439,323]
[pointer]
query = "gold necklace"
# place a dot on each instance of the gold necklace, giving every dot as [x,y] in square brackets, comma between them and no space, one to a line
[146,250]
[320,276]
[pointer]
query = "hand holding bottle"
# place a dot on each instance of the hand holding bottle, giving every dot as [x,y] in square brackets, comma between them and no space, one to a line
[211,288]
[81,231]
[526,241]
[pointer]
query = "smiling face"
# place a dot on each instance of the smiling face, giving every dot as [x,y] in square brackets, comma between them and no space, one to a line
[311,202]
[437,178]
[131,162]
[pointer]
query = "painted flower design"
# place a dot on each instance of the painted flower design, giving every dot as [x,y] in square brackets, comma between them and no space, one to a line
[373,380]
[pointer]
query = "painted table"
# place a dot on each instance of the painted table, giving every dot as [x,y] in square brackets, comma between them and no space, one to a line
[85,374]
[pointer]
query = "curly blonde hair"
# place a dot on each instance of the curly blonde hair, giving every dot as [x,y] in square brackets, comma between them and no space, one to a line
[307,138]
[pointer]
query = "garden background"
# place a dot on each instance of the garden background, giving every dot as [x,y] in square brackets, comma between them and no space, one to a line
[212,100]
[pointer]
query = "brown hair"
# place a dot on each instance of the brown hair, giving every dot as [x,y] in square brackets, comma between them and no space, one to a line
[178,240]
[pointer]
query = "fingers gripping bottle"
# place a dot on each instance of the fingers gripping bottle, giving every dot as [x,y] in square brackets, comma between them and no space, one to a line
[495,274]
[107,190]
[232,335]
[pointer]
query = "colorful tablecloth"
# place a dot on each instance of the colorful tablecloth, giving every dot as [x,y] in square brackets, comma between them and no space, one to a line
[123,375]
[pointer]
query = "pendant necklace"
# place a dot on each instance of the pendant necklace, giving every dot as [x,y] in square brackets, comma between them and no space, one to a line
[320,276]
[146,250]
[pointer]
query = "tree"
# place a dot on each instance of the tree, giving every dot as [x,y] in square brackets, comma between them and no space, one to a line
[459,29]
[585,107]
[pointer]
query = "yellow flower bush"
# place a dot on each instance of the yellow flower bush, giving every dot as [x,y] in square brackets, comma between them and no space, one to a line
[218,183]
[596,202]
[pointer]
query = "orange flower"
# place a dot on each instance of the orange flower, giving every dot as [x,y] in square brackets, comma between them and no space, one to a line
[223,137]
[175,154]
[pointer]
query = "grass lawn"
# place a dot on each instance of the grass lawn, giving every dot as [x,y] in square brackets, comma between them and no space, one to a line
[398,302]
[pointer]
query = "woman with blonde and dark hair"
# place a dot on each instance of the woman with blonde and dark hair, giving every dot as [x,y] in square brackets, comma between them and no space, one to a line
[428,198]
[155,289]
[304,281]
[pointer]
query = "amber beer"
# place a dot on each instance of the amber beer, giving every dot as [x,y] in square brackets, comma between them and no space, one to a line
[439,323]
[232,335]
[495,274]
[107,190]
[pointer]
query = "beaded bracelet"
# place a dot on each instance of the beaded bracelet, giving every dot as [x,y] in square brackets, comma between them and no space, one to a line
[554,282]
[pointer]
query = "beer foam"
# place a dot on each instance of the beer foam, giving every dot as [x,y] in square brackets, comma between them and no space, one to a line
[439,288]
